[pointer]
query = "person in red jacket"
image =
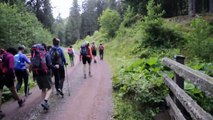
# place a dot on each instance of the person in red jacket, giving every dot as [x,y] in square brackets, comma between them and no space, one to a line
[86,57]
[7,75]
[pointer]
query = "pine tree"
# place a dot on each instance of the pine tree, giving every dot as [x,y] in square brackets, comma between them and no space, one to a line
[72,33]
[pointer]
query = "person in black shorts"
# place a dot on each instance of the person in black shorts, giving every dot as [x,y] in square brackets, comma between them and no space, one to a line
[86,57]
[8,76]
[94,51]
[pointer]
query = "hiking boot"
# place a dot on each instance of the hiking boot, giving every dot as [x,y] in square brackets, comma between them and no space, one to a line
[85,76]
[90,74]
[1,115]
[21,102]
[29,93]
[60,92]
[45,105]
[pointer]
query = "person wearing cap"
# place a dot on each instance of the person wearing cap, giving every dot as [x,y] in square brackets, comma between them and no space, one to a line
[86,57]
[58,60]
[21,71]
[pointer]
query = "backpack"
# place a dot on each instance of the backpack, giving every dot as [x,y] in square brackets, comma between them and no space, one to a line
[70,51]
[38,60]
[84,50]
[101,47]
[55,56]
[4,65]
[18,62]
[93,48]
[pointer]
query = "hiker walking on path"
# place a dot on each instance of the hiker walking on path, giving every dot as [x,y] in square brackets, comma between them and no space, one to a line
[58,60]
[41,66]
[21,71]
[94,51]
[8,76]
[86,57]
[101,51]
[71,54]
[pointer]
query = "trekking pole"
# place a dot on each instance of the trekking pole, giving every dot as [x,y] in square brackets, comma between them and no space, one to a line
[68,85]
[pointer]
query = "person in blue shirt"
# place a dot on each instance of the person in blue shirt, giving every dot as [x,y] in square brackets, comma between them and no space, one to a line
[58,60]
[21,71]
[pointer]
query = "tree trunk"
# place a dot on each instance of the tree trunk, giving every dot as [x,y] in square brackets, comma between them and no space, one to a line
[191,8]
[211,6]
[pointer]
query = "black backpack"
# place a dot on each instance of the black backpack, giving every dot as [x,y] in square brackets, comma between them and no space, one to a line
[84,50]
[38,60]
[55,56]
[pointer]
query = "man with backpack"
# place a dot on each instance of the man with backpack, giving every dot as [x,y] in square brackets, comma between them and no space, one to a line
[8,76]
[21,70]
[94,51]
[41,66]
[86,57]
[58,60]
[101,51]
[71,54]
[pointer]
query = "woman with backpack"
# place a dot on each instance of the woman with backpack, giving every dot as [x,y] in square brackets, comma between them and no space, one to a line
[71,54]
[86,57]
[21,70]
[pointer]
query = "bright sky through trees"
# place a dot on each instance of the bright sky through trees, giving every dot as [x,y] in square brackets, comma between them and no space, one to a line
[62,7]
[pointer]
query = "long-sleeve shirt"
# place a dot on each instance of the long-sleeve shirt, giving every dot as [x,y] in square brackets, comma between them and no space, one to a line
[20,60]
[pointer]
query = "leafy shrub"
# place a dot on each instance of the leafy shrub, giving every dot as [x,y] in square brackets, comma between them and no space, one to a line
[199,42]
[110,22]
[142,84]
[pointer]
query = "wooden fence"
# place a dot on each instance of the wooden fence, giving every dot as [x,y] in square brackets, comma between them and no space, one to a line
[182,106]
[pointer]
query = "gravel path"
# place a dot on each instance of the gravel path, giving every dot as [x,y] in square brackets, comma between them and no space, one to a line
[90,99]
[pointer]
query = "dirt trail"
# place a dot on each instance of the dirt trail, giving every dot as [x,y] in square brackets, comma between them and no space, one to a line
[91,98]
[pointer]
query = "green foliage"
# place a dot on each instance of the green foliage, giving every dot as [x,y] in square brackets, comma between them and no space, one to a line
[199,42]
[156,34]
[109,22]
[141,83]
[18,26]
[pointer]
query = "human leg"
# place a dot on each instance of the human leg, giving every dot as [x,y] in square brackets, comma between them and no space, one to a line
[26,82]
[19,79]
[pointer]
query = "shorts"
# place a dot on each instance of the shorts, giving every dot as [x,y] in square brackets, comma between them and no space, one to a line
[94,53]
[86,60]
[6,80]
[44,81]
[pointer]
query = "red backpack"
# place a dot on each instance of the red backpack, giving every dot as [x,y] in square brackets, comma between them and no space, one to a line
[4,65]
[38,60]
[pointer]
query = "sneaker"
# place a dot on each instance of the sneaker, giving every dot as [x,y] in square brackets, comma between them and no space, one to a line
[45,105]
[1,115]
[21,102]
[85,76]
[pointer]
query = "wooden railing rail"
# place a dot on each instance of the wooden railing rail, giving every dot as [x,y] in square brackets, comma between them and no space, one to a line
[178,98]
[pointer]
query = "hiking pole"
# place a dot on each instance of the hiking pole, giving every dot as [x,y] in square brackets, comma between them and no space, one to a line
[68,85]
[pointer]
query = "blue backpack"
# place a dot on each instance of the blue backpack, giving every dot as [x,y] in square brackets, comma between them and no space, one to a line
[18,62]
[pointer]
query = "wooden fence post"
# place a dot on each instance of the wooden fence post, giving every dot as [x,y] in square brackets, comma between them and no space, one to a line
[180,82]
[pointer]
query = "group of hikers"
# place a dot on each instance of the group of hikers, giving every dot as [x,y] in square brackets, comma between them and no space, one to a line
[44,63]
